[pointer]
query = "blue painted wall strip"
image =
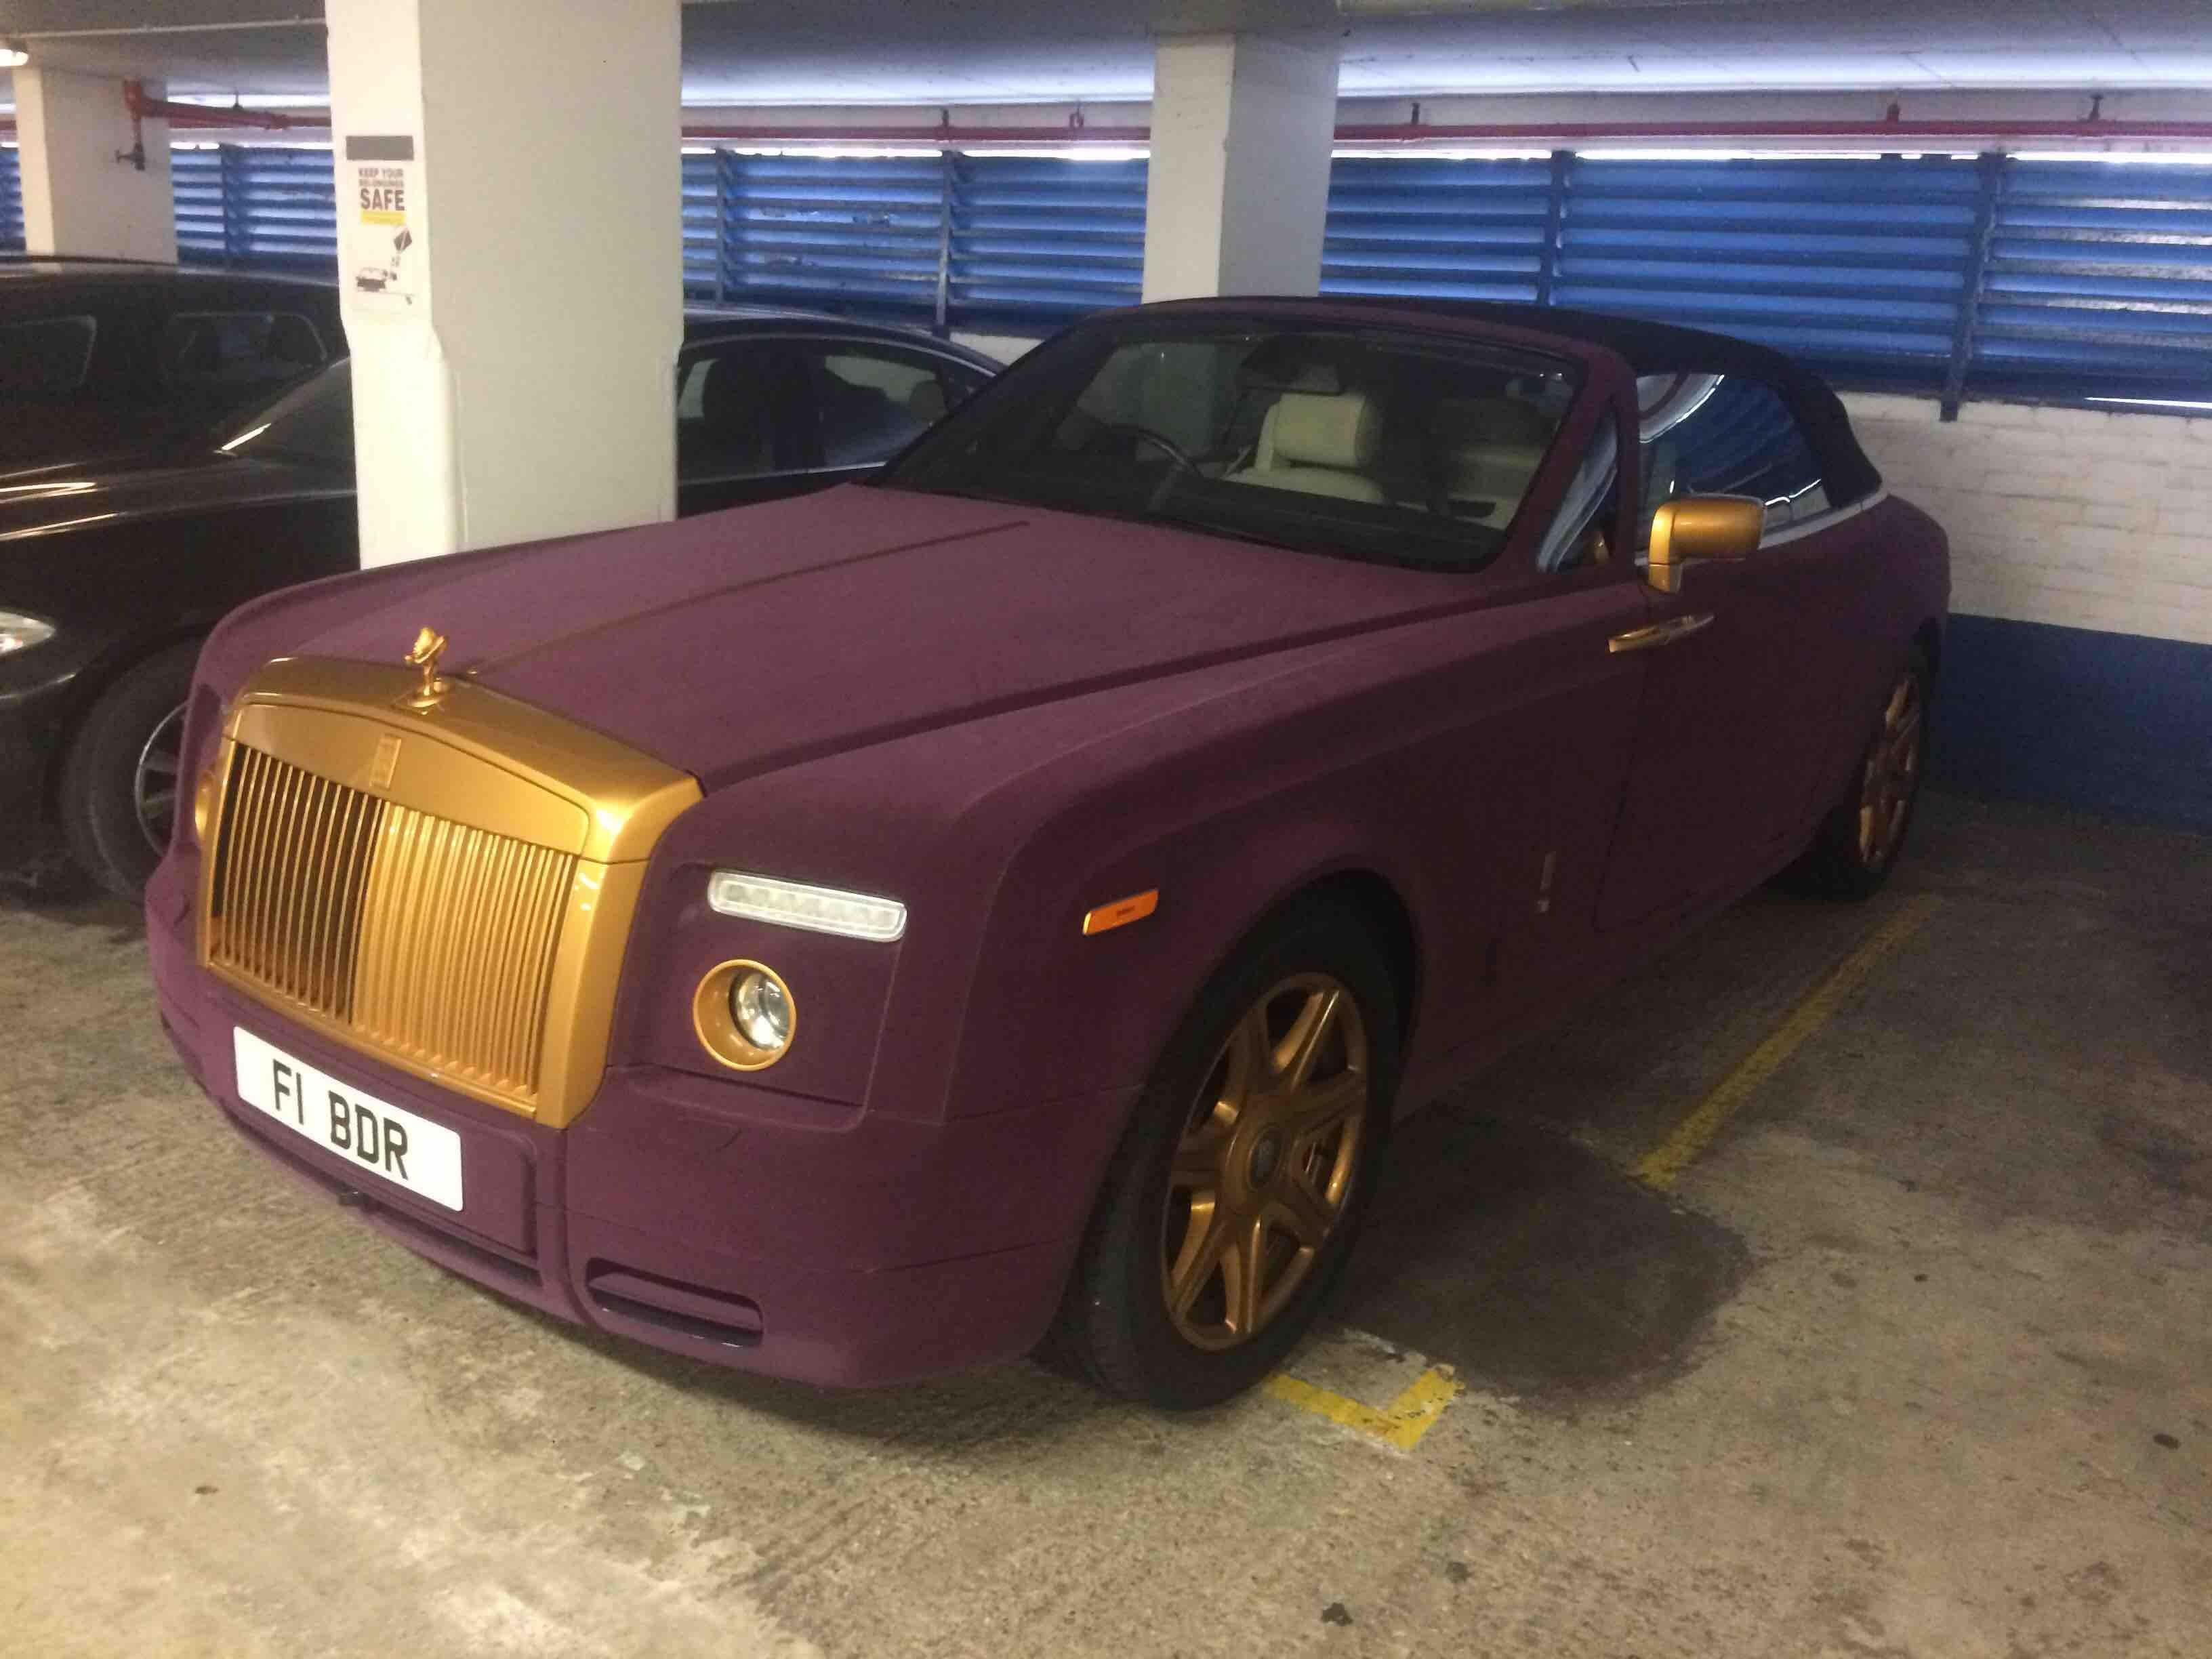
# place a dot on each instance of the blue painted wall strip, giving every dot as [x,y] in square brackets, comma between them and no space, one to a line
[2113,722]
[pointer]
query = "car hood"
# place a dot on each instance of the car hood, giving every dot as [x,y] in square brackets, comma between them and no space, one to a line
[42,501]
[740,641]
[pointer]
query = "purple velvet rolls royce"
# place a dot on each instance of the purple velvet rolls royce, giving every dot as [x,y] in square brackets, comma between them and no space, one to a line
[862,936]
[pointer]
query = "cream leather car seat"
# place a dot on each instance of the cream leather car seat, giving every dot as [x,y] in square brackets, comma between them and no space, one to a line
[1318,442]
[1488,449]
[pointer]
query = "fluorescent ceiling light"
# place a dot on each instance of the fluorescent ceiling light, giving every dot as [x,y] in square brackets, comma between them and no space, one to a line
[2154,402]
[12,58]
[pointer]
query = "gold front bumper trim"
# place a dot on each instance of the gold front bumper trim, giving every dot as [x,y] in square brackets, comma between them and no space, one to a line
[448,888]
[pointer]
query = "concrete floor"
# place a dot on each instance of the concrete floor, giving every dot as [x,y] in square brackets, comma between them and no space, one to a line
[1915,1361]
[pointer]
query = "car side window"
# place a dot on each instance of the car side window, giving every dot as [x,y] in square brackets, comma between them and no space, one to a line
[1725,434]
[872,400]
[1582,530]
[47,357]
[213,350]
[741,411]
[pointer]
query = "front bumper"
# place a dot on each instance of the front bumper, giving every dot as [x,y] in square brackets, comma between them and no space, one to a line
[30,722]
[826,1244]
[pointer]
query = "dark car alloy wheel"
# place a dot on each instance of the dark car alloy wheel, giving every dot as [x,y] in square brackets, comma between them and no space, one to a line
[117,797]
[154,781]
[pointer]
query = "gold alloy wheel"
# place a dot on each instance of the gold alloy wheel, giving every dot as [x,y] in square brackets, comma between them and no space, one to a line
[1892,771]
[1266,1162]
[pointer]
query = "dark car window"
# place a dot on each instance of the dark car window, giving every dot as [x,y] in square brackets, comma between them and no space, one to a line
[871,401]
[1581,532]
[742,407]
[203,350]
[310,425]
[1370,443]
[1716,434]
[47,357]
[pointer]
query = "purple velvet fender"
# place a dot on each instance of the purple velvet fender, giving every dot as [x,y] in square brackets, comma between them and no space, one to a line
[1003,717]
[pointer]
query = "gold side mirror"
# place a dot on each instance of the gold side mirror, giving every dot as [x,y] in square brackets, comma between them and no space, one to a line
[1703,527]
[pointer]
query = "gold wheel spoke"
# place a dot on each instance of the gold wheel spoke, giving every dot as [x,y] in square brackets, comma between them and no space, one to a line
[1322,1106]
[1211,1237]
[1242,1266]
[1302,1213]
[1301,1044]
[1197,1163]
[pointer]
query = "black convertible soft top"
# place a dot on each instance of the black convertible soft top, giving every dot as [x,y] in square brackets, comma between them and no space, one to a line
[1665,349]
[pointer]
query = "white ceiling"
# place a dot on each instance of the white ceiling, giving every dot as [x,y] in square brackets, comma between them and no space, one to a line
[972,51]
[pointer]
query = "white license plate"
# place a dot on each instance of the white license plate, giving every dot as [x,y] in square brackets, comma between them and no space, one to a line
[373,1136]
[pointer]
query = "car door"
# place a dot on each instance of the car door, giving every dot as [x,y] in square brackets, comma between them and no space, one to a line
[873,398]
[1546,752]
[1736,709]
[744,422]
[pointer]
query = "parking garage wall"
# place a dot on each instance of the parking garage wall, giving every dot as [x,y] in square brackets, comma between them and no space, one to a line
[2078,663]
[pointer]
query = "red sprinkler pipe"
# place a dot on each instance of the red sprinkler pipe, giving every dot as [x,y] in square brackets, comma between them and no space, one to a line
[203,115]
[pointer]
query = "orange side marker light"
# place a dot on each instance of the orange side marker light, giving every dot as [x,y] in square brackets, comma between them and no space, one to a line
[1120,913]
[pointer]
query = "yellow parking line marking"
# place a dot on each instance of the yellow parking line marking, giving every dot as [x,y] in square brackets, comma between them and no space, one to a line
[1400,1423]
[1663,1166]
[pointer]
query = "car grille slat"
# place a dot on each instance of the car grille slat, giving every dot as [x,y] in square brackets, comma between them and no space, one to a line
[429,939]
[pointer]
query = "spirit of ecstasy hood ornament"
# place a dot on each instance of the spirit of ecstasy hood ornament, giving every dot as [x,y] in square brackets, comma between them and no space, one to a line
[429,646]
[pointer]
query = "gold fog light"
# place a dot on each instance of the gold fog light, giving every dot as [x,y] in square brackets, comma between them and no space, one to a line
[744,1015]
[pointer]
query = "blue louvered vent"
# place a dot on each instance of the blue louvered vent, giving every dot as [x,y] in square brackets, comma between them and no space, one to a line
[1442,229]
[1042,240]
[2099,277]
[1857,265]
[273,207]
[1952,274]
[857,233]
[703,221]
[11,199]
[196,182]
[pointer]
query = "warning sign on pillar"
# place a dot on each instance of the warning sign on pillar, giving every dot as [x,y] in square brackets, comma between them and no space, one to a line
[380,255]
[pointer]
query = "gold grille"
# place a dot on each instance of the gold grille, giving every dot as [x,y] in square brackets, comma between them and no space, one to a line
[429,939]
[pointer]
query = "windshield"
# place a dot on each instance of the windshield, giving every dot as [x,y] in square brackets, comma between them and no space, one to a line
[1370,443]
[310,425]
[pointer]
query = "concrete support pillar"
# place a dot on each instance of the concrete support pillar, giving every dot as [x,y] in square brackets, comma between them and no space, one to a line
[1238,189]
[510,250]
[77,196]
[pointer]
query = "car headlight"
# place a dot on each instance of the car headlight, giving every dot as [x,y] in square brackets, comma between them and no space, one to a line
[19,632]
[744,1015]
[817,909]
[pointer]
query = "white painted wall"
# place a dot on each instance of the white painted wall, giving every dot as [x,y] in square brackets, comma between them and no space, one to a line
[531,392]
[77,198]
[1237,191]
[2075,517]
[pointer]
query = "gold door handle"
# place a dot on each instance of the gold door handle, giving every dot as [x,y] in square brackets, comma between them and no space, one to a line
[1658,633]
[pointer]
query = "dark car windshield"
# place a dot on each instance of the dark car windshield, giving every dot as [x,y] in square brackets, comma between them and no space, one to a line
[1372,443]
[310,425]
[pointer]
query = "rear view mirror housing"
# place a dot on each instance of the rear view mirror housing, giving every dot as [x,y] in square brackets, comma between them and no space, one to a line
[1703,527]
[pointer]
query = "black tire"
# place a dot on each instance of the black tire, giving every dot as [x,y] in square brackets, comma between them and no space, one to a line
[101,794]
[1114,1326]
[1844,862]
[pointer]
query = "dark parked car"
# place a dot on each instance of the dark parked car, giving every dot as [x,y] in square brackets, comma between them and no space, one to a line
[871,934]
[110,575]
[103,356]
